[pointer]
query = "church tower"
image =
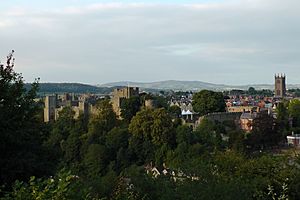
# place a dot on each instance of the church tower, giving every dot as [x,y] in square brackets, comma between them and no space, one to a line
[280,87]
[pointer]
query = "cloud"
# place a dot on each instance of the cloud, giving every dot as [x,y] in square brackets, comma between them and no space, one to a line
[98,7]
[207,50]
[234,42]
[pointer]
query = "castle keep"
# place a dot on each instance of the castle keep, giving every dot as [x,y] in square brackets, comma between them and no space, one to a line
[120,94]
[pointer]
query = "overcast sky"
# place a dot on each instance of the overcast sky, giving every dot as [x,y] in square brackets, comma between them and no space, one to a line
[89,41]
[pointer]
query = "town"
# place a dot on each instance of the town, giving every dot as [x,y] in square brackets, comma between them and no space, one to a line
[193,144]
[242,107]
[149,100]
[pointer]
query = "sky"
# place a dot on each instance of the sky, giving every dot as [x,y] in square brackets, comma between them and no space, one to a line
[232,42]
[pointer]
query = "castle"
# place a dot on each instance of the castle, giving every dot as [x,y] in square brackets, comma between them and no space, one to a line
[80,105]
[120,94]
[85,103]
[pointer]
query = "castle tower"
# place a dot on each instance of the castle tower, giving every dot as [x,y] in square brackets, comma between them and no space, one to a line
[49,109]
[280,87]
[120,94]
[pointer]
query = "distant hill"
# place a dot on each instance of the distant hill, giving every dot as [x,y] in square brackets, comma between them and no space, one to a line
[48,88]
[169,85]
[191,85]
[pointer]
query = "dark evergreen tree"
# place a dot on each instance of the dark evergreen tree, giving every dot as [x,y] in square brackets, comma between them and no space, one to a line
[130,107]
[21,151]
[264,134]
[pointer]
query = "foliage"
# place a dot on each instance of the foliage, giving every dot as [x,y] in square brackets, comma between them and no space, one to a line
[153,125]
[61,187]
[129,107]
[294,111]
[282,117]
[295,92]
[21,152]
[207,101]
[50,88]
[209,135]
[102,122]
[251,91]
[174,111]
[115,159]
[264,134]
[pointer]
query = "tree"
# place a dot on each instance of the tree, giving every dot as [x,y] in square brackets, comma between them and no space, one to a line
[184,134]
[153,125]
[162,131]
[264,133]
[117,144]
[209,134]
[62,127]
[294,111]
[207,101]
[61,130]
[140,125]
[282,118]
[63,186]
[117,138]
[21,151]
[150,130]
[251,91]
[129,107]
[95,160]
[72,148]
[102,122]
[174,111]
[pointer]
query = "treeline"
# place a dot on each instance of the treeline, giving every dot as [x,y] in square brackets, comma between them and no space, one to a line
[295,92]
[76,88]
[51,88]
[106,158]
[251,91]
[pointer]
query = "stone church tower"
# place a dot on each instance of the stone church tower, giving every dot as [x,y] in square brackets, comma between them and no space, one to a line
[280,87]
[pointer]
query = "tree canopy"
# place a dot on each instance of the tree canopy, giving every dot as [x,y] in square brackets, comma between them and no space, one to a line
[149,155]
[207,101]
[21,151]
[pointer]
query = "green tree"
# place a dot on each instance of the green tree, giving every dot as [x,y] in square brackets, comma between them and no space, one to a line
[252,91]
[209,134]
[150,130]
[61,129]
[95,160]
[117,144]
[130,107]
[102,122]
[153,125]
[117,138]
[140,143]
[282,118]
[162,131]
[140,125]
[236,140]
[264,133]
[160,102]
[64,186]
[174,111]
[72,147]
[294,111]
[185,133]
[207,101]
[21,151]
